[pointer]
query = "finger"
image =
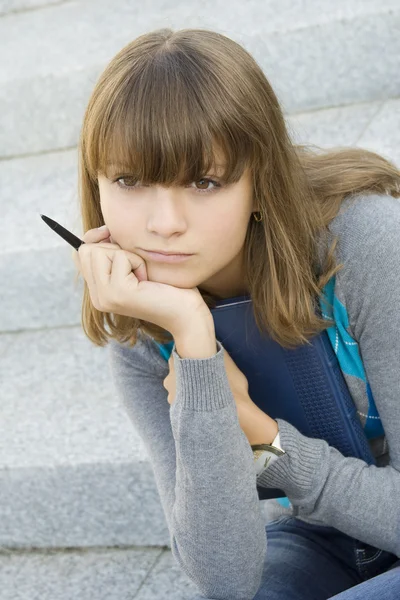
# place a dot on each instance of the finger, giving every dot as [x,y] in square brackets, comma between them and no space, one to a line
[121,268]
[108,242]
[93,236]
[85,255]
[75,258]
[127,263]
[110,269]
[103,259]
[108,245]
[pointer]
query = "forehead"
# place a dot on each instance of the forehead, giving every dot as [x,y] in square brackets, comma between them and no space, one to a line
[218,155]
[114,166]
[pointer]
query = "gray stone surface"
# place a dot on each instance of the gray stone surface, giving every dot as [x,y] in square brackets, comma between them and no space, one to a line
[73,470]
[59,407]
[383,132]
[109,574]
[330,127]
[42,291]
[315,54]
[8,7]
[45,183]
[82,505]
[103,574]
[166,580]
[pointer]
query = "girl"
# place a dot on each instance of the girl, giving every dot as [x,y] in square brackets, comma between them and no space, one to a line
[183,137]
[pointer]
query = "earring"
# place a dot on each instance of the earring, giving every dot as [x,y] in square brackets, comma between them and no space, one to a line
[255,218]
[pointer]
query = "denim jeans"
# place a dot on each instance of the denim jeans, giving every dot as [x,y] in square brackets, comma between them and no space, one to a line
[314,562]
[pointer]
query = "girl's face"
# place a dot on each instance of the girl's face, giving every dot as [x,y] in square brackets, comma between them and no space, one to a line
[206,218]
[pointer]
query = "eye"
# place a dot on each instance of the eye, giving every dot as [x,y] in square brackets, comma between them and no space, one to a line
[128,182]
[125,186]
[207,180]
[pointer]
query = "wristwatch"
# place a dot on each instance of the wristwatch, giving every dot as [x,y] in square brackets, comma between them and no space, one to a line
[266,454]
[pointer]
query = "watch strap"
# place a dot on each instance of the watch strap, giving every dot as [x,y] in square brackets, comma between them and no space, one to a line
[266,454]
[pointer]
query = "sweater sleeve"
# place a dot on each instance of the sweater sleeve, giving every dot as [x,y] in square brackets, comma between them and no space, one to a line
[202,463]
[343,492]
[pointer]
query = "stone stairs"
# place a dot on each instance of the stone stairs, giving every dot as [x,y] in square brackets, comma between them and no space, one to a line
[79,510]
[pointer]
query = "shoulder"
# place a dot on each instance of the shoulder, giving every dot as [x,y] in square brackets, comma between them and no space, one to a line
[367,226]
[368,231]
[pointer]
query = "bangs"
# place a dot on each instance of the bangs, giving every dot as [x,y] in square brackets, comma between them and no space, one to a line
[165,124]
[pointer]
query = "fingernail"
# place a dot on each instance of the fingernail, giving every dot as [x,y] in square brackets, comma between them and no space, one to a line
[102,228]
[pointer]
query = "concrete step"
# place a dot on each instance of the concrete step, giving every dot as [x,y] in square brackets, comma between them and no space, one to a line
[315,54]
[9,7]
[101,573]
[38,263]
[73,471]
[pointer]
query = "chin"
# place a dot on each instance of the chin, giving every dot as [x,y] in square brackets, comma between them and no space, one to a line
[177,280]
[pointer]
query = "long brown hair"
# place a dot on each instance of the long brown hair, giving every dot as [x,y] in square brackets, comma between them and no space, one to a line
[160,107]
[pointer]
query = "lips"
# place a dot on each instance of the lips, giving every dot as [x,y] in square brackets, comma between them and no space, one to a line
[168,253]
[167,258]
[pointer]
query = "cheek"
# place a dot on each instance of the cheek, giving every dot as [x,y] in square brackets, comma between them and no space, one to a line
[105,202]
[116,216]
[228,236]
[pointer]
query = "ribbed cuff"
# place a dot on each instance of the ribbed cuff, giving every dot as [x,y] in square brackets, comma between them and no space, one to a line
[302,471]
[202,383]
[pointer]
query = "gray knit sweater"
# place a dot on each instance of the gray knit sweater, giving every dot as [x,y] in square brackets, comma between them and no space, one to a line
[203,463]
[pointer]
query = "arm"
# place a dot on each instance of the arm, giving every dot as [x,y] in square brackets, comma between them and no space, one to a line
[202,462]
[216,515]
[346,493]
[197,340]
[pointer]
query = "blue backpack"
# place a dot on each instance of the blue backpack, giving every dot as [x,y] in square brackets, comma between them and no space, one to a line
[304,386]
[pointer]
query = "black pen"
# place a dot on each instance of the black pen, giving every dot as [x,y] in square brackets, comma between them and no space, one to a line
[64,233]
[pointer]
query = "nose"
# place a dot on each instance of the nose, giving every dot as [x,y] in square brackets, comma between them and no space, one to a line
[168,212]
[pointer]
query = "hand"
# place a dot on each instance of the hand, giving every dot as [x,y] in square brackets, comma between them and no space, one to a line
[237,381]
[117,282]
